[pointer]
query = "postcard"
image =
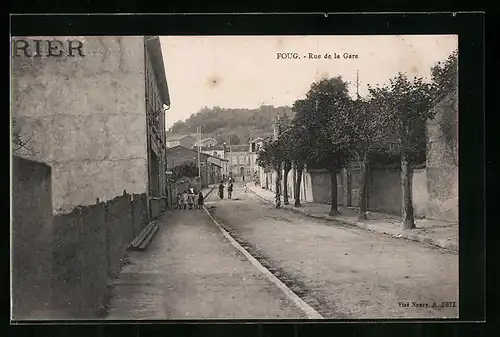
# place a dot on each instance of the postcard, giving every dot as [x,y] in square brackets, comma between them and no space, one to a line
[234,177]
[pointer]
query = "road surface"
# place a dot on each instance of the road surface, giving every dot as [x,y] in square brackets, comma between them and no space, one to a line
[342,271]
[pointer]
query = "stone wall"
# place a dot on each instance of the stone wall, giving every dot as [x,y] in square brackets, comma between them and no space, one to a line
[384,189]
[61,265]
[442,161]
[85,117]
[31,238]
[89,244]
[321,186]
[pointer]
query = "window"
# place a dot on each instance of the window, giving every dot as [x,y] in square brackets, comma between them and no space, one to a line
[253,147]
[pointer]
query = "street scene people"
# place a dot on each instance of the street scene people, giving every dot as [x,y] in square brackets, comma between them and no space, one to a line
[200,200]
[221,190]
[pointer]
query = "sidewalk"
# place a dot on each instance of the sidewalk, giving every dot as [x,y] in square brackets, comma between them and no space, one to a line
[191,271]
[207,190]
[438,233]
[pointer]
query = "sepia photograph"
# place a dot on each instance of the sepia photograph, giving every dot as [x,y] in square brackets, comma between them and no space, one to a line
[292,177]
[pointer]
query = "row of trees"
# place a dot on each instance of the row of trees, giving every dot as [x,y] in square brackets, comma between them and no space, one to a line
[330,129]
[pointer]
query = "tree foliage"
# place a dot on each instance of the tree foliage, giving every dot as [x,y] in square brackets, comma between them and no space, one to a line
[445,77]
[329,128]
[220,123]
[325,122]
[405,106]
[188,169]
[270,156]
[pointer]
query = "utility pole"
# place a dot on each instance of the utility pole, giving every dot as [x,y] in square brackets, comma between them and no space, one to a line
[230,173]
[198,131]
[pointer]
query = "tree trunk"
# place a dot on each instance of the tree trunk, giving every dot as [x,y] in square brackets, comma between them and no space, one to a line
[334,208]
[285,184]
[406,178]
[277,185]
[298,182]
[363,192]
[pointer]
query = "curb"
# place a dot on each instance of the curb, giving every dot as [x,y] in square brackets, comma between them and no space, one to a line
[441,243]
[208,193]
[303,306]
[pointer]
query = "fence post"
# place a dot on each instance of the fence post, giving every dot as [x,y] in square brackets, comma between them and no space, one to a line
[81,271]
[106,239]
[132,210]
[349,187]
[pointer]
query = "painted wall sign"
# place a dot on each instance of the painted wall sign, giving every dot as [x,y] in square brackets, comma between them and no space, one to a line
[47,48]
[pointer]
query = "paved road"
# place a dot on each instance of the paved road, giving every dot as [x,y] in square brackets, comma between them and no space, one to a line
[341,271]
[191,271]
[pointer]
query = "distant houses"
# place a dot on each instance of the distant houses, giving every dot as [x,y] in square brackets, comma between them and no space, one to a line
[207,142]
[236,160]
[182,140]
[211,167]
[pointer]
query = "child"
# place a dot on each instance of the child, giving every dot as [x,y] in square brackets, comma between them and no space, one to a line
[179,201]
[200,200]
[185,199]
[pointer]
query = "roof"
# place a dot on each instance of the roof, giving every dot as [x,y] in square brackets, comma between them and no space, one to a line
[207,139]
[176,137]
[240,148]
[153,47]
[180,147]
[256,139]
[204,155]
[212,148]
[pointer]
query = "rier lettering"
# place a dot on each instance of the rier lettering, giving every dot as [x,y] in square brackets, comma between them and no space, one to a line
[47,48]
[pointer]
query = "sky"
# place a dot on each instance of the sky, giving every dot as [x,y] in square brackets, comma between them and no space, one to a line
[245,72]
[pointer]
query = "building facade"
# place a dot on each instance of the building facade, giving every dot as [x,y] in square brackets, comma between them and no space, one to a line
[255,146]
[97,118]
[239,162]
[218,152]
[207,142]
[180,155]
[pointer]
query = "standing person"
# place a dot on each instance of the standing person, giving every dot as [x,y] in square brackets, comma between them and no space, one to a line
[200,200]
[185,199]
[196,201]
[221,190]
[190,200]
[179,201]
[230,190]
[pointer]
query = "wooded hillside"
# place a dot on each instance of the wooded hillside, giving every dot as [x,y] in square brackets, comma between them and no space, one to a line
[239,124]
